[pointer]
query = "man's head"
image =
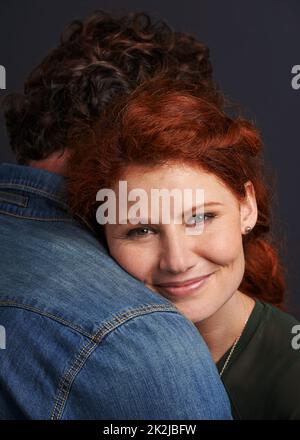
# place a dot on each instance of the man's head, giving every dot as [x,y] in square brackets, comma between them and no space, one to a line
[97,60]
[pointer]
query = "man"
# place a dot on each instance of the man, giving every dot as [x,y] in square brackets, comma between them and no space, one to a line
[84,340]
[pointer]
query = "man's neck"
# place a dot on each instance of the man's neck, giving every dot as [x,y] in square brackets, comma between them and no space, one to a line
[55,163]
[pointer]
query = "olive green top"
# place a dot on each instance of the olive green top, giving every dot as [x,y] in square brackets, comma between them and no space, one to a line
[262,377]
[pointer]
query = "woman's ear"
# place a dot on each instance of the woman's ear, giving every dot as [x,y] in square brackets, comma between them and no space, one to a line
[248,209]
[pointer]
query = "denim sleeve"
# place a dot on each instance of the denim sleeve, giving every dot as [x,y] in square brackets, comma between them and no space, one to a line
[154,366]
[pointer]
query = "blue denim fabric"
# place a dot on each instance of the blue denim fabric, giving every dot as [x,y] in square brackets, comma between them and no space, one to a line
[85,340]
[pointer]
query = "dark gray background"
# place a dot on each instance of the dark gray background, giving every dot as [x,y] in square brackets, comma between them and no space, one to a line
[253,44]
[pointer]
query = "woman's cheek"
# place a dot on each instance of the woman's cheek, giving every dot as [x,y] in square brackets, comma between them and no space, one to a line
[222,248]
[128,256]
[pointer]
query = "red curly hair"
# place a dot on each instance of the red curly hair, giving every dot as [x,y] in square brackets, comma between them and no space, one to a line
[169,120]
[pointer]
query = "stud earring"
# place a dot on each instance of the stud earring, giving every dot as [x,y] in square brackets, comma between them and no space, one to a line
[248,229]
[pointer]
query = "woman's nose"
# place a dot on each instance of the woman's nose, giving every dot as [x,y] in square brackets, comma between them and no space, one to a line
[176,255]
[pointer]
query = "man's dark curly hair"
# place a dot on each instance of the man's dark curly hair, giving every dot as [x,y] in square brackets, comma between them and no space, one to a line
[97,59]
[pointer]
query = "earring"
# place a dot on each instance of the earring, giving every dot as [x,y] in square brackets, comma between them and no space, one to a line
[248,229]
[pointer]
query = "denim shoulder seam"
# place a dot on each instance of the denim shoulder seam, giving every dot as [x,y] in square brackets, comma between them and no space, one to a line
[9,303]
[67,380]
[131,312]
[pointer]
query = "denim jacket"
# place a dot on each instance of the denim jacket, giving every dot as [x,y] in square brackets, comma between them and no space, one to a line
[84,339]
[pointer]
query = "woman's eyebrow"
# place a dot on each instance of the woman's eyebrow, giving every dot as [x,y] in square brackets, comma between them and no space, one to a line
[194,208]
[212,203]
[203,206]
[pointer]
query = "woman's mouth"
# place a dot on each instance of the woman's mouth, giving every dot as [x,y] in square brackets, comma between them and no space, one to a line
[184,288]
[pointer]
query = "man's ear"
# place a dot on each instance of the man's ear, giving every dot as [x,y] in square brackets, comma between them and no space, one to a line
[248,209]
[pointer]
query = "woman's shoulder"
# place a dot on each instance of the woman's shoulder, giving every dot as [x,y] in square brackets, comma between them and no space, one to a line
[274,334]
[278,319]
[281,332]
[262,377]
[280,329]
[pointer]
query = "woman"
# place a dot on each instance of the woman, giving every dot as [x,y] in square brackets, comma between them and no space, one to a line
[224,276]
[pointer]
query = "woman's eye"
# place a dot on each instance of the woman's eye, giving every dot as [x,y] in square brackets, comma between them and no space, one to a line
[199,218]
[194,220]
[140,232]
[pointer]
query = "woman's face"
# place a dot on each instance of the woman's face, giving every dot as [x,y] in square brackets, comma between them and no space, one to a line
[166,258]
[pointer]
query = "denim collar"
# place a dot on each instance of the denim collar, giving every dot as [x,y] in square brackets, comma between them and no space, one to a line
[38,181]
[34,180]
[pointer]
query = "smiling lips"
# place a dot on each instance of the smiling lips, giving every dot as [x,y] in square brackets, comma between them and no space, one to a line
[185,288]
